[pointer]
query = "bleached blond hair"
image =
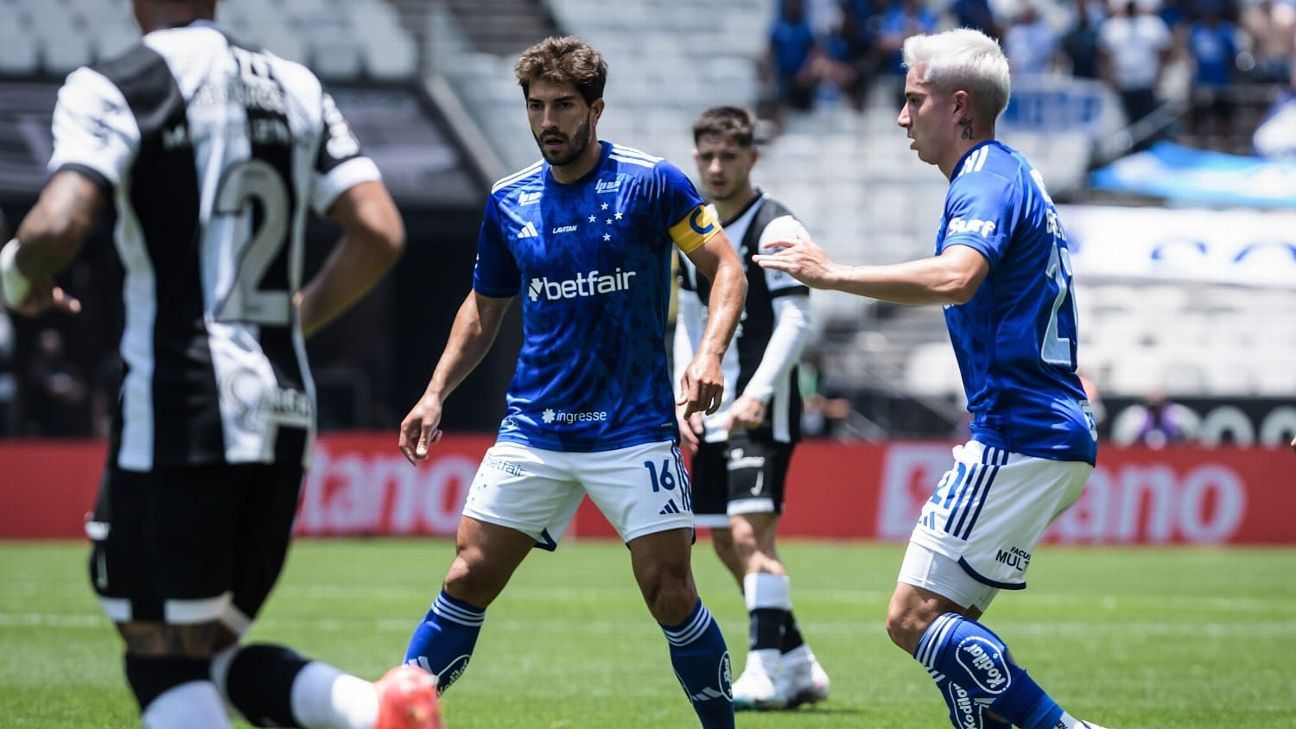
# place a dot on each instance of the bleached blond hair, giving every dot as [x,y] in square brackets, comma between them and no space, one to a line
[963,60]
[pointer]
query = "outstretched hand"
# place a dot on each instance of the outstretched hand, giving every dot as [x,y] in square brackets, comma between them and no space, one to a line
[803,260]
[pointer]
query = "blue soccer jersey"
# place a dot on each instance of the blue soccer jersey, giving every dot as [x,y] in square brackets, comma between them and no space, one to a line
[1016,339]
[592,260]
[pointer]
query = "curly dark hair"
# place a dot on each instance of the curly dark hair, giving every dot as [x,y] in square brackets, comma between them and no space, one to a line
[731,122]
[565,60]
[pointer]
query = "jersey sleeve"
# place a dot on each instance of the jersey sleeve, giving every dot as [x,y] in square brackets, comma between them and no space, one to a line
[339,164]
[496,272]
[689,323]
[684,273]
[781,283]
[689,221]
[979,214]
[95,132]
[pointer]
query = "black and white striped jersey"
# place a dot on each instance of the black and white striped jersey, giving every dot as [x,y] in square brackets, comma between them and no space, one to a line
[761,360]
[211,152]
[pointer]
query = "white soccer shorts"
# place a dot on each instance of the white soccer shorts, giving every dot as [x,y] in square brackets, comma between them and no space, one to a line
[641,490]
[986,516]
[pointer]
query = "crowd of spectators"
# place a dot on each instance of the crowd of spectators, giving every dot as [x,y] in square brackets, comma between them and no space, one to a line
[822,50]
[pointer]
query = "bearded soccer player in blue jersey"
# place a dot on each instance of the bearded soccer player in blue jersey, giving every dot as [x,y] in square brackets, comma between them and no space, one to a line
[1003,274]
[585,236]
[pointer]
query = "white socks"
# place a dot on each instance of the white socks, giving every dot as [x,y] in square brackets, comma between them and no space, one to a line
[764,590]
[193,704]
[324,697]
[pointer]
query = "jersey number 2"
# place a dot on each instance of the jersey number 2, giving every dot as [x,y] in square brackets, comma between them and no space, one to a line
[1055,349]
[245,182]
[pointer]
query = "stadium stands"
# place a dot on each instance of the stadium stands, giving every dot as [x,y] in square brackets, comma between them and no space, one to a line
[340,39]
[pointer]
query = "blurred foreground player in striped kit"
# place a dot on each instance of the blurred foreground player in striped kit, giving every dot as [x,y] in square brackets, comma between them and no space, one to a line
[585,236]
[1003,274]
[211,152]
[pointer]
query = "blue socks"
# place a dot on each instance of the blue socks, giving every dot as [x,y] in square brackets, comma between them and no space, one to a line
[965,657]
[701,661]
[965,712]
[443,643]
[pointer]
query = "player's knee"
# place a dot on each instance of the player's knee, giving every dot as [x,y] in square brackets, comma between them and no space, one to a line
[758,558]
[905,625]
[742,532]
[155,639]
[670,596]
[470,579]
[753,533]
[762,563]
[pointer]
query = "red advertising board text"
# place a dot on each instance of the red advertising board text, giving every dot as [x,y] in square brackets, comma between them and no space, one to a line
[360,484]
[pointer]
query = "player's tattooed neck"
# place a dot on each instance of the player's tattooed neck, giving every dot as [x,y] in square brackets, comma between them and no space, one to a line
[967,127]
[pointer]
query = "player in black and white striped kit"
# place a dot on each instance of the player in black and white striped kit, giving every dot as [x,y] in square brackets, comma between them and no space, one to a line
[212,153]
[740,466]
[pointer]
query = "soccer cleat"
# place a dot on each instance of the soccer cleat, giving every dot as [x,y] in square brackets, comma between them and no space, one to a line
[757,687]
[407,699]
[1091,725]
[802,680]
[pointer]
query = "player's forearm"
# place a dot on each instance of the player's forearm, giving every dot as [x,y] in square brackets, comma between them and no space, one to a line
[51,234]
[471,336]
[728,293]
[357,263]
[791,332]
[927,281]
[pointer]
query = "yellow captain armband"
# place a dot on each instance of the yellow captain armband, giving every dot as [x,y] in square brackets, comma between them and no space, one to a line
[695,229]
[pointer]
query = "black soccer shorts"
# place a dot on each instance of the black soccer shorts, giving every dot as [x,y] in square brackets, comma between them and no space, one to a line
[193,544]
[740,476]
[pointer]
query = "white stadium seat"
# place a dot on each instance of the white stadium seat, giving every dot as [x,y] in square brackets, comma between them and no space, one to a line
[63,49]
[19,50]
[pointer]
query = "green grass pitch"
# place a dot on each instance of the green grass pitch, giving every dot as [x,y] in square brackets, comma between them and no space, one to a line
[1150,638]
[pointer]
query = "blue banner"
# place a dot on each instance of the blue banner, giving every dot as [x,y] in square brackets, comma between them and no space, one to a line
[1186,176]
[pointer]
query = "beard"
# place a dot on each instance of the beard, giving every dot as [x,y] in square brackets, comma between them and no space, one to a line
[731,190]
[576,144]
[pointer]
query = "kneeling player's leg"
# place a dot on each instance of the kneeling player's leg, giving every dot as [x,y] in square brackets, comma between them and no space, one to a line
[697,647]
[160,565]
[167,668]
[273,685]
